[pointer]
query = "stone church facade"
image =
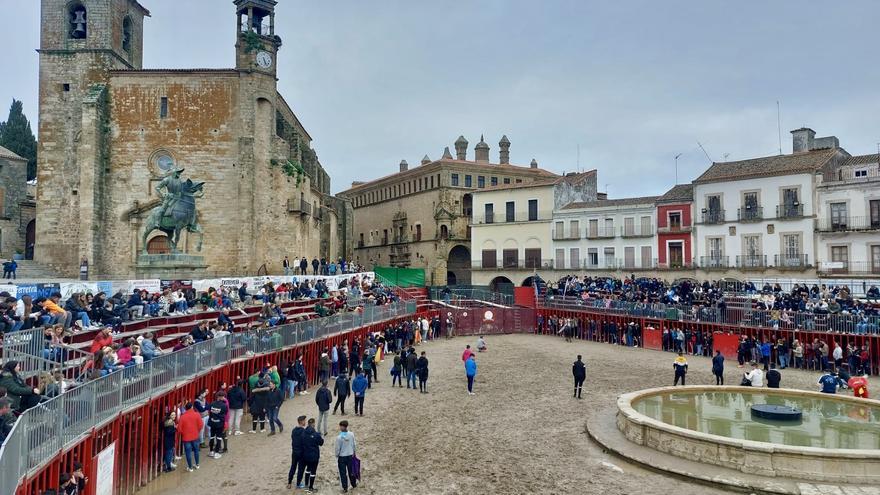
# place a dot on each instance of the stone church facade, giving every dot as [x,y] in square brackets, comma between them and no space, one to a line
[110,130]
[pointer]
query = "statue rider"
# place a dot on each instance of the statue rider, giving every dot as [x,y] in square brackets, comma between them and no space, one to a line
[173,186]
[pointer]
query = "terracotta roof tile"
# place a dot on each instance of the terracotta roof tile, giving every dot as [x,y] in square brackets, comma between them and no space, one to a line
[862,160]
[678,193]
[5,153]
[768,166]
[644,200]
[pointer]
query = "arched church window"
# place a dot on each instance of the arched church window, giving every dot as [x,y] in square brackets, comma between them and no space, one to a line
[158,245]
[78,22]
[126,35]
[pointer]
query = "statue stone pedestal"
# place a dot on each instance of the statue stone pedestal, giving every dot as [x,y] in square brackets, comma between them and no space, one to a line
[170,266]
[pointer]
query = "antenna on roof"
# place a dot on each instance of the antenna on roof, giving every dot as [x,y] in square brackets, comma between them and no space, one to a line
[676,168]
[579,157]
[705,152]
[779,125]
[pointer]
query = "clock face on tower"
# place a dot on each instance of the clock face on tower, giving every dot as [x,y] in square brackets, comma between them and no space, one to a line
[264,59]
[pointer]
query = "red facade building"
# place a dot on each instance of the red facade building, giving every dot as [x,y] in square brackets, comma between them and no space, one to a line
[675,227]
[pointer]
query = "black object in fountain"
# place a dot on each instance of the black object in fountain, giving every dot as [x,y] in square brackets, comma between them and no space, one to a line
[778,413]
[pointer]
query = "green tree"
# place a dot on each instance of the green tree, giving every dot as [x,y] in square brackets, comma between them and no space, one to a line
[17,137]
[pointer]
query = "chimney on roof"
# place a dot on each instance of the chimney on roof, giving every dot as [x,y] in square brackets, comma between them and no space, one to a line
[426,160]
[504,154]
[446,154]
[404,166]
[461,148]
[802,139]
[534,163]
[481,151]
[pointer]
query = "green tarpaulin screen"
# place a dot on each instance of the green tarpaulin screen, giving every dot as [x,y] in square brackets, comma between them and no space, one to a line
[401,277]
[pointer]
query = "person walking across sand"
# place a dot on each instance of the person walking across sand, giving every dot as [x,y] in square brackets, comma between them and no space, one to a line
[579,371]
[346,447]
[470,370]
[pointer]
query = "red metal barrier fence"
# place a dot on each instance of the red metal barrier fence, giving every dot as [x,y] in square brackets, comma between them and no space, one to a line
[490,320]
[724,337]
[135,434]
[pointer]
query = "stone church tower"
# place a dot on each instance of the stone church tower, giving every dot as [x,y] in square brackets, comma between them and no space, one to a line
[80,43]
[110,130]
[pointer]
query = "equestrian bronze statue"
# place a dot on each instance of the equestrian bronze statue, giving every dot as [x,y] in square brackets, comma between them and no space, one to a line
[177,210]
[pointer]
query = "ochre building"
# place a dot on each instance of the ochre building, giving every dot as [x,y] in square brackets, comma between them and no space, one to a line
[110,130]
[419,217]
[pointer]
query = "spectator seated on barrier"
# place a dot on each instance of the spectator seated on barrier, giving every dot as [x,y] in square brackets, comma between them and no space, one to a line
[51,305]
[149,346]
[101,340]
[136,305]
[7,419]
[10,320]
[201,332]
[873,293]
[54,349]
[22,395]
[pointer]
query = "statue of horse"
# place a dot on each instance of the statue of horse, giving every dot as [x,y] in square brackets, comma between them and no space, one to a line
[175,214]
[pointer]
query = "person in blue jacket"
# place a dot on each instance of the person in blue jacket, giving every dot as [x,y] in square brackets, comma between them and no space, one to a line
[359,389]
[765,355]
[470,369]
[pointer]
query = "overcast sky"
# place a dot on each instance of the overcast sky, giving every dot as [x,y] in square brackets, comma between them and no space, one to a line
[632,83]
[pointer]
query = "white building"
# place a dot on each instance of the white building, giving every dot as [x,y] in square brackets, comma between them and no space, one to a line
[512,224]
[605,234]
[848,224]
[759,213]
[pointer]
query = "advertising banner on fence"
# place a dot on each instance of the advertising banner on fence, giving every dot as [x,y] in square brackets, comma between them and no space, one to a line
[150,285]
[69,288]
[37,290]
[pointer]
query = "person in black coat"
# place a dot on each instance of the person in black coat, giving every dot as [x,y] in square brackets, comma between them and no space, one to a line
[718,368]
[169,441]
[236,397]
[311,454]
[579,371]
[259,403]
[296,439]
[274,398]
[422,373]
[342,389]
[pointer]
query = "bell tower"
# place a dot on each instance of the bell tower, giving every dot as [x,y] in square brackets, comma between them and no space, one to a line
[81,41]
[256,45]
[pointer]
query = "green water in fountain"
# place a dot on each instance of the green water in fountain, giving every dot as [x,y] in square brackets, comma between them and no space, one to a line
[826,423]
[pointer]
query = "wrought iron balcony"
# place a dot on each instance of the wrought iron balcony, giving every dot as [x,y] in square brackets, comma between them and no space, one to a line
[748,261]
[791,261]
[848,224]
[794,210]
[750,214]
[713,216]
[710,262]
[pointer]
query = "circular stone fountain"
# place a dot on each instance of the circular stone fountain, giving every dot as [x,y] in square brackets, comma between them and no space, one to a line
[837,438]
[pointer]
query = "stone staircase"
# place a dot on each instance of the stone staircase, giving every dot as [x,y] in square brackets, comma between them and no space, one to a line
[30,270]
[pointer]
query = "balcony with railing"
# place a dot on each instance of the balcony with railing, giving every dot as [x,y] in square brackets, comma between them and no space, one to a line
[513,264]
[848,224]
[793,261]
[849,268]
[601,233]
[566,234]
[674,229]
[520,216]
[869,173]
[794,210]
[751,261]
[300,206]
[750,214]
[643,230]
[676,265]
[714,262]
[713,216]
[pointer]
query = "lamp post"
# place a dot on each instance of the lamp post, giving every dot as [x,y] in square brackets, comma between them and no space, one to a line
[676,168]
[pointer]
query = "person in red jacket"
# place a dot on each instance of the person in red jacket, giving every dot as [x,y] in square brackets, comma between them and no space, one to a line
[467,353]
[102,339]
[190,427]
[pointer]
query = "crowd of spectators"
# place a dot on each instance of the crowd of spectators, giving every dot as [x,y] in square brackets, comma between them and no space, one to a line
[816,307]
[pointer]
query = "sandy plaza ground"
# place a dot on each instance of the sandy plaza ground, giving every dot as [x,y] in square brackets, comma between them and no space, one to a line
[521,433]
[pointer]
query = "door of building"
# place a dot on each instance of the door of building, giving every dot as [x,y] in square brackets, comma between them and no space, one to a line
[676,255]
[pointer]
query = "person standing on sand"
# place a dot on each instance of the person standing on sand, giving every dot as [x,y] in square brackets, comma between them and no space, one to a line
[397,372]
[470,370]
[718,368]
[311,445]
[296,439]
[345,450]
[579,371]
[422,372]
[681,367]
[359,389]
[410,366]
[467,352]
[323,398]
[342,389]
